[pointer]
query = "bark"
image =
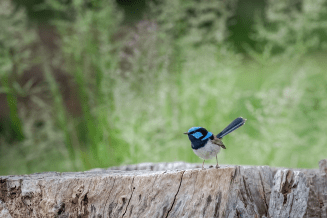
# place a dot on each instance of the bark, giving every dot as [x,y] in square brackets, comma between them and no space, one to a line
[168,190]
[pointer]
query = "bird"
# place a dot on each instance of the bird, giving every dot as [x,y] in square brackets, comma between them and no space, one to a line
[206,145]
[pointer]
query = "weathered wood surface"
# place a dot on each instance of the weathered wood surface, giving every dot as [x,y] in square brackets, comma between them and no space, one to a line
[168,190]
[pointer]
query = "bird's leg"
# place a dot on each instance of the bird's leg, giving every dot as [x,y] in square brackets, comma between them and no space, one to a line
[203,165]
[217,164]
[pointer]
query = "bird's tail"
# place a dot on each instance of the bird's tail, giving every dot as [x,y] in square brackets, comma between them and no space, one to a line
[232,126]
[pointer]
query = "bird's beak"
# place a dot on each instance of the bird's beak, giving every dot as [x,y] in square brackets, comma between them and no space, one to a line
[186,133]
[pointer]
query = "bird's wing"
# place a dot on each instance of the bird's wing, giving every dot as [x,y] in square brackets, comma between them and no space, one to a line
[218,141]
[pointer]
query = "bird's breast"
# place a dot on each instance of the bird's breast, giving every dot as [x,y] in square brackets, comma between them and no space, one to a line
[208,151]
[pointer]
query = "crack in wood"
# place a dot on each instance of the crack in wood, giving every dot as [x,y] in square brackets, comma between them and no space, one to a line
[287,186]
[319,199]
[265,202]
[234,177]
[133,188]
[168,212]
[245,200]
[291,206]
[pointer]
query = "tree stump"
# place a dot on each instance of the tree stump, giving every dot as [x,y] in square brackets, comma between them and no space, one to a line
[168,190]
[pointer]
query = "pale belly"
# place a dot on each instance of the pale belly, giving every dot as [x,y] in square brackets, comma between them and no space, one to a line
[209,151]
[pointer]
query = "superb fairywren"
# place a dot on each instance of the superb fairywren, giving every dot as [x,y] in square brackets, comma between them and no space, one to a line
[206,145]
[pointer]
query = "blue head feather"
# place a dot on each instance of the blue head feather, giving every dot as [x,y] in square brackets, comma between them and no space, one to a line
[193,129]
[209,134]
[199,136]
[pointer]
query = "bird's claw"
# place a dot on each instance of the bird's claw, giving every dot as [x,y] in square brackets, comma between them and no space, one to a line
[217,166]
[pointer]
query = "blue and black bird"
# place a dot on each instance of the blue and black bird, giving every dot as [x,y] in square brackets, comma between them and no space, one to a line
[206,145]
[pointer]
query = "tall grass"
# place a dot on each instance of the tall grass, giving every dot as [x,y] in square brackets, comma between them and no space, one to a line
[138,114]
[278,99]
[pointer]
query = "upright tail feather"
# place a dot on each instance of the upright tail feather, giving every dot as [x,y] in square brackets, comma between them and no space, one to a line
[232,126]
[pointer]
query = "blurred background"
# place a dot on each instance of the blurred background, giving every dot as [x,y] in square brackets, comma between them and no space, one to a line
[94,83]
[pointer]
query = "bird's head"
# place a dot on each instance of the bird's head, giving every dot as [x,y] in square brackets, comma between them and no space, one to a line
[199,136]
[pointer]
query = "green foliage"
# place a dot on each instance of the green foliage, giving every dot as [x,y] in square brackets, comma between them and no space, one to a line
[195,22]
[87,49]
[140,88]
[293,26]
[14,37]
[215,92]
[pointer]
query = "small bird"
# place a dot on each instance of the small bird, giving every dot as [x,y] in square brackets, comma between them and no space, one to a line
[205,145]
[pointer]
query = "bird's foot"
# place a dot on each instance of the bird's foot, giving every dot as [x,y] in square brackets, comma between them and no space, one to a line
[217,166]
[211,166]
[203,168]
